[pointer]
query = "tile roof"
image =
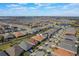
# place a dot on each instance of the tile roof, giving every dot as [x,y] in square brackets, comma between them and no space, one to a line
[38,37]
[17,34]
[32,41]
[62,52]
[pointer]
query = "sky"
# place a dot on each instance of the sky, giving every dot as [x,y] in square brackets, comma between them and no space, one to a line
[39,9]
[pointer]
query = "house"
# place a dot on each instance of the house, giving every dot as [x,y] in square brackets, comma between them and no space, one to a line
[18,34]
[14,29]
[70,31]
[8,36]
[70,37]
[32,41]
[14,51]
[24,32]
[38,37]
[69,47]
[30,31]
[25,45]
[34,30]
[7,30]
[2,53]
[69,42]
[62,52]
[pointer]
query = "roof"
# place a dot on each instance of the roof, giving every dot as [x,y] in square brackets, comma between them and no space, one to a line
[69,47]
[3,53]
[25,45]
[62,52]
[17,34]
[24,32]
[8,35]
[69,42]
[38,37]
[14,51]
[32,41]
[71,31]
[70,37]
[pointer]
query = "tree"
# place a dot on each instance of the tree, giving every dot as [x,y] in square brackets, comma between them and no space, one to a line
[1,38]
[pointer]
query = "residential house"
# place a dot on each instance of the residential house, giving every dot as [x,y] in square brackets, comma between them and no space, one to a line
[8,36]
[25,45]
[70,37]
[69,47]
[2,53]
[14,51]
[61,52]
[24,32]
[38,37]
[18,34]
[70,31]
[32,41]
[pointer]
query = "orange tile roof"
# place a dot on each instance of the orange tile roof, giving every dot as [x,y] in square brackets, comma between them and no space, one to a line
[33,41]
[38,37]
[17,34]
[62,52]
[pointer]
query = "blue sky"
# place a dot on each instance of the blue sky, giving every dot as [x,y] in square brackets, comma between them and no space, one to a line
[39,9]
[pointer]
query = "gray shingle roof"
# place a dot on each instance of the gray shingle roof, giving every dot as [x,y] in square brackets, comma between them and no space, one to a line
[70,37]
[25,45]
[14,51]
[3,53]
[68,47]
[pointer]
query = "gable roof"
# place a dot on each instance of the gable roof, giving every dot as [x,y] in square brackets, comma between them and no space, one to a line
[68,47]
[3,53]
[8,35]
[25,45]
[18,34]
[32,41]
[38,37]
[71,31]
[70,37]
[62,52]
[14,51]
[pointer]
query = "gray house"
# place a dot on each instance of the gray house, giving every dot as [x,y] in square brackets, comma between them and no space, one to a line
[2,53]
[69,47]
[8,36]
[70,37]
[25,45]
[14,51]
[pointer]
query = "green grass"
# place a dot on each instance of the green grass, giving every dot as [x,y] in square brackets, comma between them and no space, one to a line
[26,53]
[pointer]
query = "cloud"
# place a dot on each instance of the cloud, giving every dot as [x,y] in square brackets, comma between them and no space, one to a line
[13,5]
[41,9]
